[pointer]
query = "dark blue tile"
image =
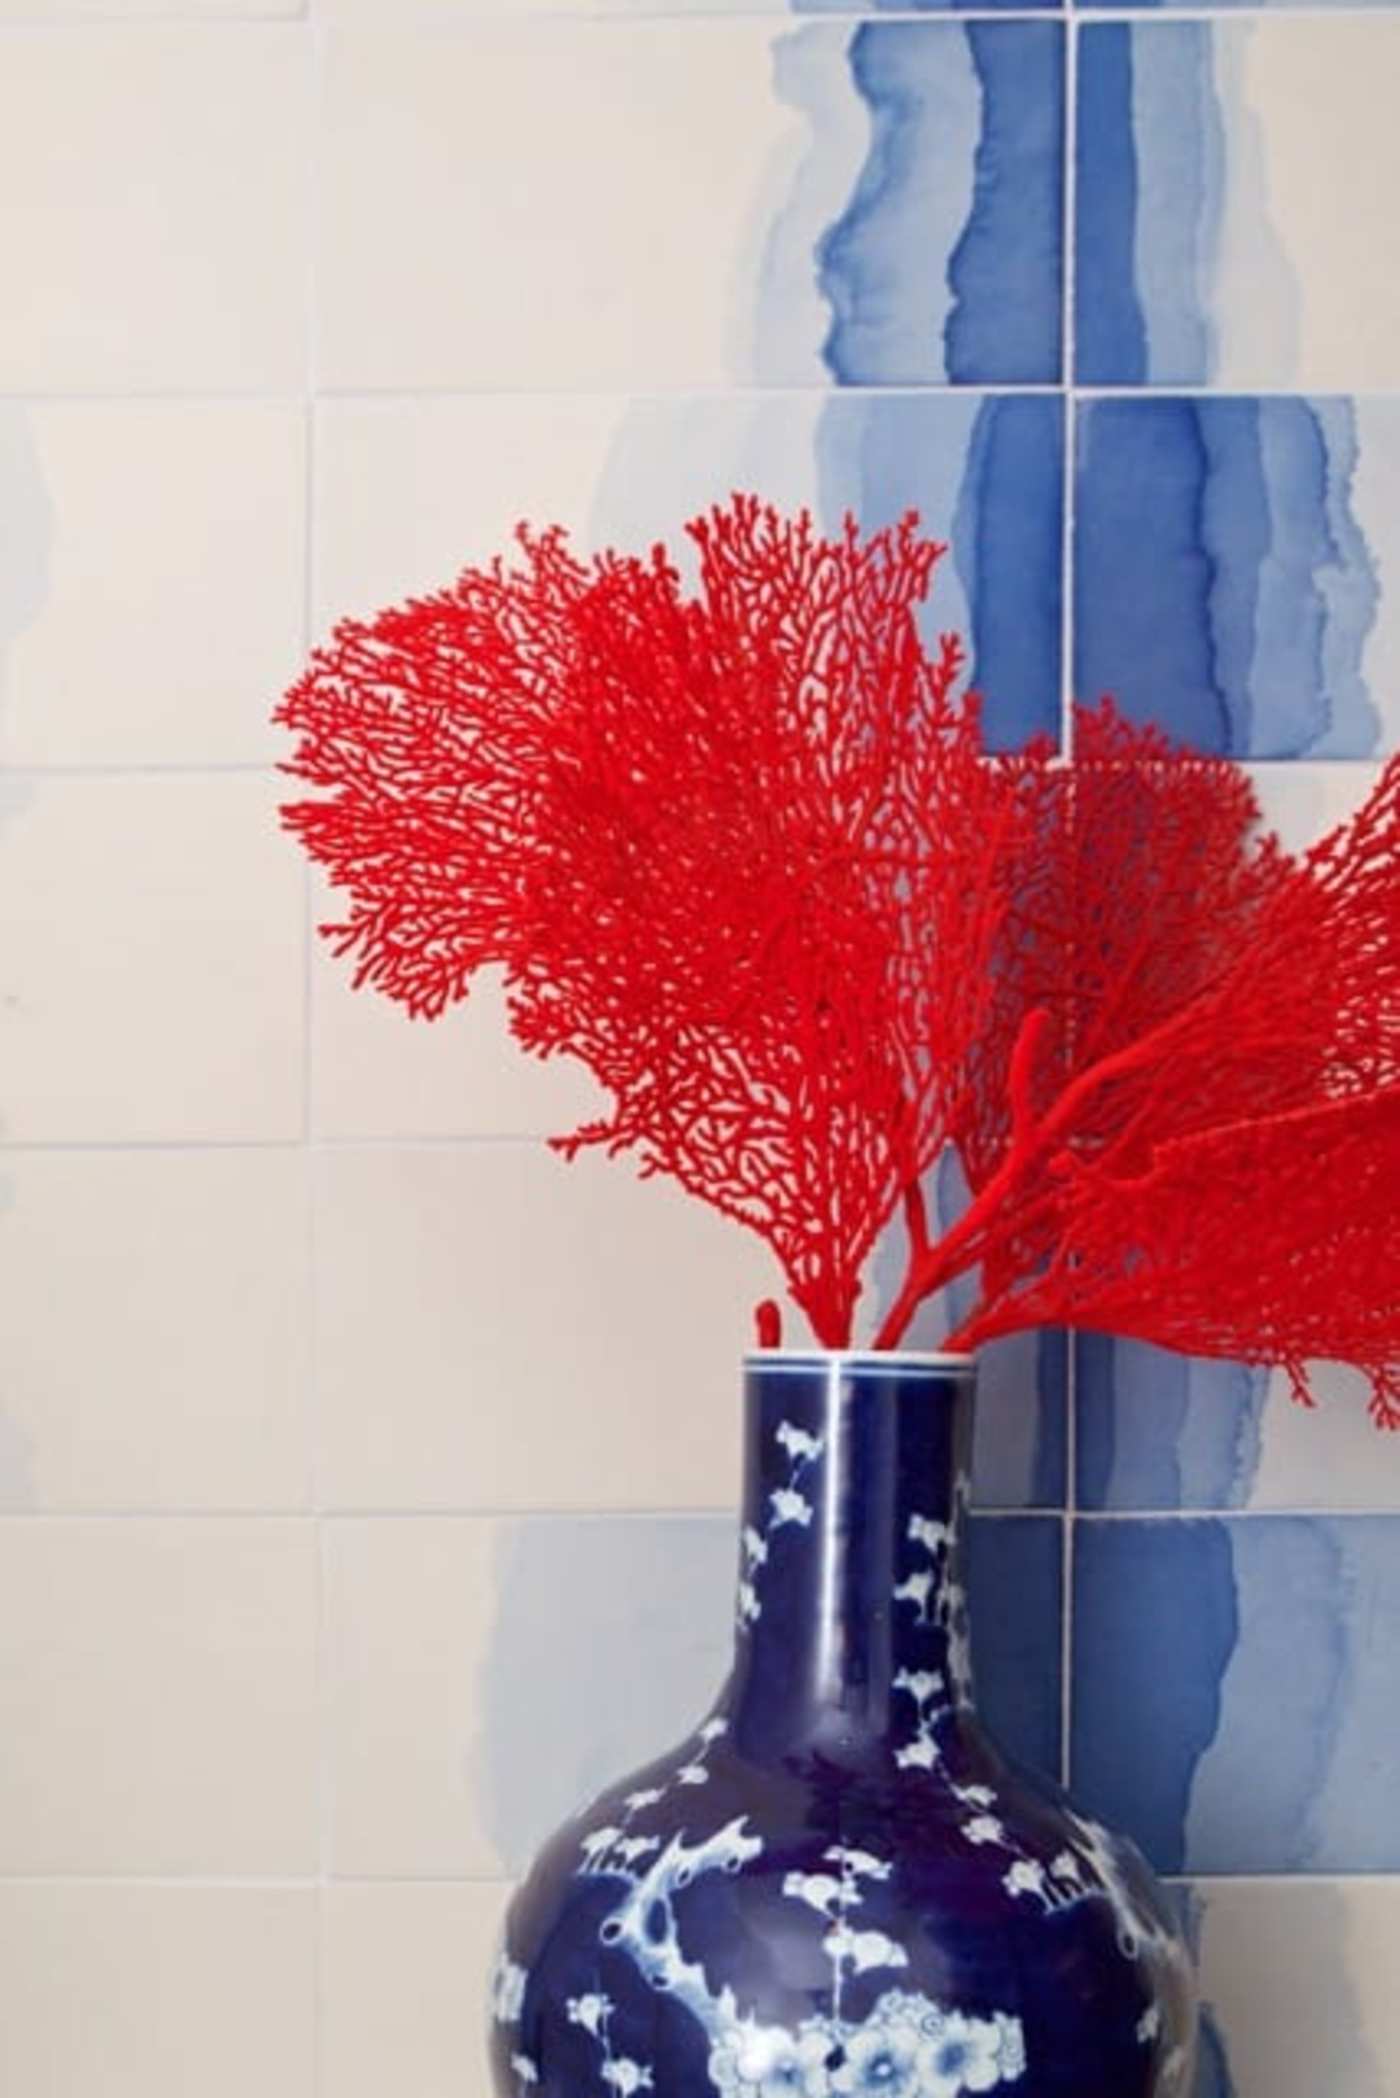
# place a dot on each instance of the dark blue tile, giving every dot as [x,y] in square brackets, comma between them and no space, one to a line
[1015,1595]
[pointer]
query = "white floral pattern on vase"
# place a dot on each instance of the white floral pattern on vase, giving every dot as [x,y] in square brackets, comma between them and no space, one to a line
[787,1504]
[908,2046]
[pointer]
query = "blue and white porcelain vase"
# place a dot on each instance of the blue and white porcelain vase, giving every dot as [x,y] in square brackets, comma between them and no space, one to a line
[838,1887]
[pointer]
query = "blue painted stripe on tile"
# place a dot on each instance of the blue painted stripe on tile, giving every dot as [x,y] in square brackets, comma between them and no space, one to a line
[1007,542]
[937,93]
[1235,1689]
[1110,331]
[1156,1623]
[1015,1598]
[989,476]
[1224,587]
[1154,1429]
[1007,270]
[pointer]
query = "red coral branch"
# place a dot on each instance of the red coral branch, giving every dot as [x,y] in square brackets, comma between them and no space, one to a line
[741,851]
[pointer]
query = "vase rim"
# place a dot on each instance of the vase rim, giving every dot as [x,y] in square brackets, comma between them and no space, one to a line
[861,1358]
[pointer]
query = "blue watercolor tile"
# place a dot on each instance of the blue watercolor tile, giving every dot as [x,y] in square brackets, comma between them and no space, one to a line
[1155,1429]
[1219,242]
[987,475]
[985,472]
[1235,1686]
[610,1638]
[1016,1597]
[947,263]
[1228,563]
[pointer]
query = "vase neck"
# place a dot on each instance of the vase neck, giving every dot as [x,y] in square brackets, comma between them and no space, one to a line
[852,1632]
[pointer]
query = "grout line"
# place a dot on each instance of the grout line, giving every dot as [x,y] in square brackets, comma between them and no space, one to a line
[325,1513]
[408,395]
[315,1451]
[271,771]
[1067,687]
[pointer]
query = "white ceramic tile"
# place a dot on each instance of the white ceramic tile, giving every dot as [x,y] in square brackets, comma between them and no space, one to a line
[376,1072]
[500,1329]
[410,491]
[152,218]
[170,543]
[1301,1978]
[409,1607]
[1301,801]
[34,12]
[612,244]
[157,1992]
[153,1330]
[157,1688]
[151,962]
[452,1626]
[405,1972]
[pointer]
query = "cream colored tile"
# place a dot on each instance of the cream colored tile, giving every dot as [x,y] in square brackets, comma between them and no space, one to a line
[405,1977]
[170,612]
[157,1690]
[410,491]
[499,1329]
[1300,1977]
[139,1992]
[96,11]
[612,245]
[154,1329]
[152,207]
[462,1729]
[375,1072]
[151,962]
[157,1992]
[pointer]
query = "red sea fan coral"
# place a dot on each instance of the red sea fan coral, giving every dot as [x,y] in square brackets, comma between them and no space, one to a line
[742,852]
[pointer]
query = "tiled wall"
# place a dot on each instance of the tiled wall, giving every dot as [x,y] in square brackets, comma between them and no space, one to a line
[365,1472]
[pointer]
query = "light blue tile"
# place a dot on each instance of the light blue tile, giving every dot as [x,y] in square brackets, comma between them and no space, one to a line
[1156,1430]
[610,1639]
[1159,1430]
[1235,1689]
[1234,570]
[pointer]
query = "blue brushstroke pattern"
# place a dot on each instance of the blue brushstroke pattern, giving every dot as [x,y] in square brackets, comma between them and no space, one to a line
[1156,1622]
[991,477]
[1158,1430]
[1179,128]
[1006,269]
[1007,542]
[1223,586]
[931,7]
[1015,1598]
[1110,331]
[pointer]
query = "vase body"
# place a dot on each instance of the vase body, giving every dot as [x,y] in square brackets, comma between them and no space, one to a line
[838,1887]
